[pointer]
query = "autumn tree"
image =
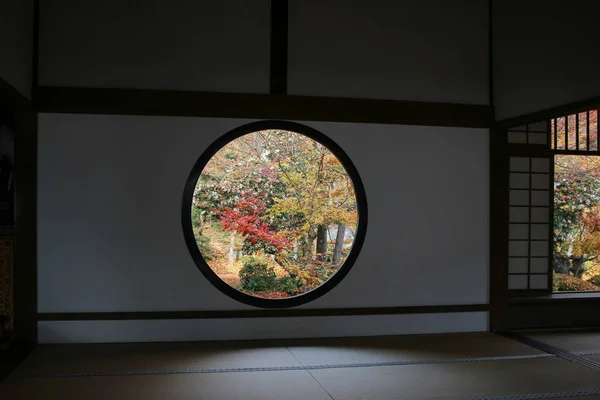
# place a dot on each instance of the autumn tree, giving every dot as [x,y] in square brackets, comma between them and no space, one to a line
[318,188]
[246,219]
[278,192]
[576,213]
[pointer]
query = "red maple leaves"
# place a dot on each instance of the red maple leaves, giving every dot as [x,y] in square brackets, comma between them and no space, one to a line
[247,219]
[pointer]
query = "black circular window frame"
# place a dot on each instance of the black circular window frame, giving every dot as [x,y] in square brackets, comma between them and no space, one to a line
[186,214]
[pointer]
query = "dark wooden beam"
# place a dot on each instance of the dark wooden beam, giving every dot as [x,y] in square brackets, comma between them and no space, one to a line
[491,52]
[11,102]
[554,311]
[498,230]
[35,50]
[25,231]
[259,106]
[279,46]
[282,313]
[529,150]
[11,358]
[17,112]
[548,113]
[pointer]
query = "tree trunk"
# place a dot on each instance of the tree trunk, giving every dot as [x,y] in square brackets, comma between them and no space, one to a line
[231,252]
[339,244]
[577,266]
[322,242]
[308,245]
[201,225]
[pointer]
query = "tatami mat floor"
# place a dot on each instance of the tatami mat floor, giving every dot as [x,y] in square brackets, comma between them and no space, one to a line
[453,366]
[576,341]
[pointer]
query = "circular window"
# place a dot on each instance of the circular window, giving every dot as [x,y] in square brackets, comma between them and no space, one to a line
[274,214]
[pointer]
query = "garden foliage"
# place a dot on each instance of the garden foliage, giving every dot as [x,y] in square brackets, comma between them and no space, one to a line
[272,202]
[576,211]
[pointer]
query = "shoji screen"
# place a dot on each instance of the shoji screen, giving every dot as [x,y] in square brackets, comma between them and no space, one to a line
[530,208]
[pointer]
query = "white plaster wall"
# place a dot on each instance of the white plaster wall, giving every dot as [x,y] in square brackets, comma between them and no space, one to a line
[427,50]
[110,236]
[200,45]
[16,43]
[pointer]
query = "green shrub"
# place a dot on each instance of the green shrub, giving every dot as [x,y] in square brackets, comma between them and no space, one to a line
[567,283]
[289,285]
[203,243]
[196,217]
[257,276]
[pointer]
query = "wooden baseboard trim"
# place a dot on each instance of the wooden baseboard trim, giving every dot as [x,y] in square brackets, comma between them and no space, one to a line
[284,313]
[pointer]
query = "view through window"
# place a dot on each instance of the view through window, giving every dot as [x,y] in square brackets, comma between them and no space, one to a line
[576,249]
[274,214]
